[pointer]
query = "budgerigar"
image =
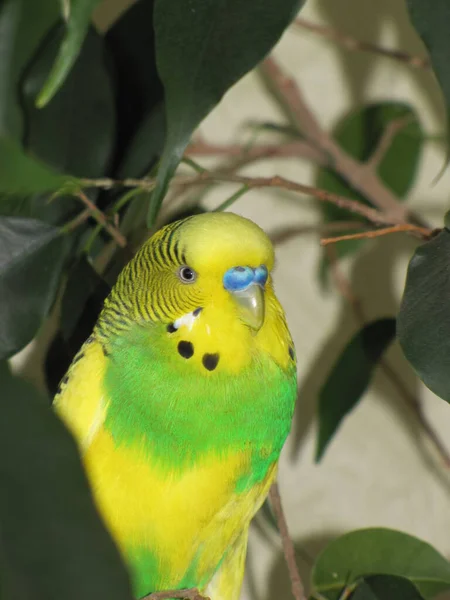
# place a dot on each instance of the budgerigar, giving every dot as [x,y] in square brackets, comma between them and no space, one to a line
[181,400]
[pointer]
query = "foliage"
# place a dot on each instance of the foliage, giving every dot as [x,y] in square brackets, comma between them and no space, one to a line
[83,114]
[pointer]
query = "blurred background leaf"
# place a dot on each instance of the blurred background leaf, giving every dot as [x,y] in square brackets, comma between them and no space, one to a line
[359,133]
[350,377]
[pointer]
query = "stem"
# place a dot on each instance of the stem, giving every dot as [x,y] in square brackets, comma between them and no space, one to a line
[298,590]
[232,199]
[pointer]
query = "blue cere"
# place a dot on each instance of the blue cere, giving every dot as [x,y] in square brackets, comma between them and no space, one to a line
[239,278]
[261,275]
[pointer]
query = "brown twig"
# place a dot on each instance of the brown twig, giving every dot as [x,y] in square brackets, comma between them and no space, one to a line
[386,139]
[81,218]
[353,44]
[298,590]
[297,149]
[188,594]
[373,215]
[353,206]
[102,220]
[360,176]
[414,404]
[424,233]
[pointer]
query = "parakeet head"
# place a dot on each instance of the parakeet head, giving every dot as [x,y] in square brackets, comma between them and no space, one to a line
[207,276]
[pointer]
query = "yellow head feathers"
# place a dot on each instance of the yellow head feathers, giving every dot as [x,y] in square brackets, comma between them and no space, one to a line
[182,268]
[219,241]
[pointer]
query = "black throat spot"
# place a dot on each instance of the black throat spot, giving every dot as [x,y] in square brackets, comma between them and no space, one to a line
[185,349]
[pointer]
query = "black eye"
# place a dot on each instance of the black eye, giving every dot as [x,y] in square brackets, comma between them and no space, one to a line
[187,275]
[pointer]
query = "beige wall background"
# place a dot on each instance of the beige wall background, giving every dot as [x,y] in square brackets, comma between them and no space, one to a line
[380,470]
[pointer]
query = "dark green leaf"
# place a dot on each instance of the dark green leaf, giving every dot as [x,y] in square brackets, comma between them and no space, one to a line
[83,285]
[21,174]
[52,539]
[433,25]
[77,24]
[423,324]
[32,255]
[350,377]
[75,131]
[359,134]
[139,91]
[378,551]
[145,147]
[81,304]
[386,587]
[23,24]
[202,48]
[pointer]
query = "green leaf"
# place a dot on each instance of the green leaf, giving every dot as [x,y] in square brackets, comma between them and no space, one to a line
[350,377]
[75,131]
[53,541]
[23,25]
[84,286]
[378,551]
[433,25]
[32,256]
[146,146]
[21,174]
[202,48]
[423,323]
[359,134]
[140,102]
[77,23]
[386,587]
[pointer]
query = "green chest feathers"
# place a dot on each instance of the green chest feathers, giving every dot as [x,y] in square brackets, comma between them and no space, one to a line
[178,412]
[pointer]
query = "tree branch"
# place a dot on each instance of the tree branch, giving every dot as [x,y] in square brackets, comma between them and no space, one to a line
[375,216]
[101,219]
[423,232]
[297,149]
[359,175]
[351,43]
[354,206]
[386,139]
[298,590]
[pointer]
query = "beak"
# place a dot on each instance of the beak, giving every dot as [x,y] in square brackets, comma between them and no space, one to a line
[251,305]
[246,286]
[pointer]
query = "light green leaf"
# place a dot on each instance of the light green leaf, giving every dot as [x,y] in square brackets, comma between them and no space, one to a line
[202,48]
[21,174]
[378,551]
[77,23]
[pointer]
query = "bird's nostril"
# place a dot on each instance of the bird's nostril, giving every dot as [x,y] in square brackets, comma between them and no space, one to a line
[261,274]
